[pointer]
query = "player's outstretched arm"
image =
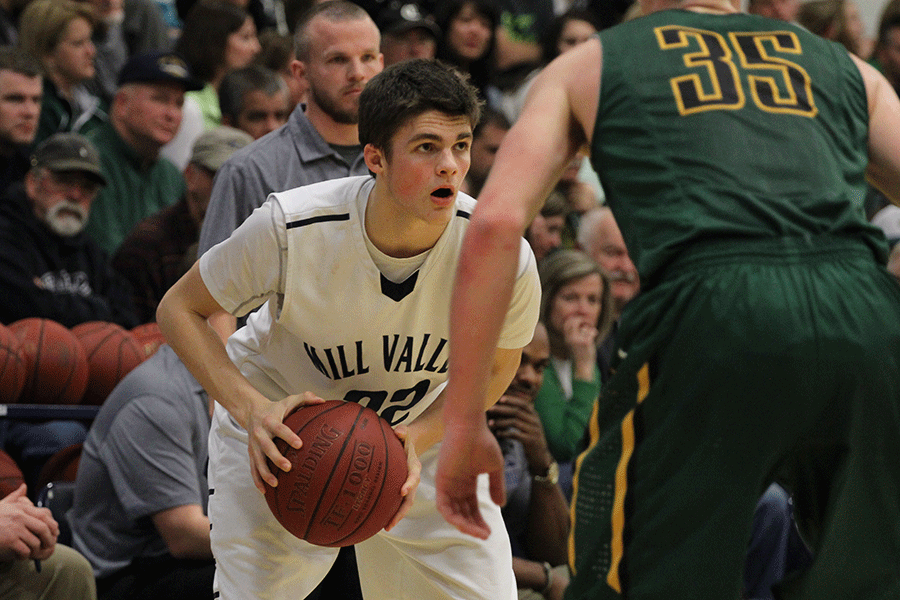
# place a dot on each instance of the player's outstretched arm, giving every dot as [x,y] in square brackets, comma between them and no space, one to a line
[884,123]
[182,316]
[533,155]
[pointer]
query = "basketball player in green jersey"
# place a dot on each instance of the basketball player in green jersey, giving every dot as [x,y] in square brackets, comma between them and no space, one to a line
[765,343]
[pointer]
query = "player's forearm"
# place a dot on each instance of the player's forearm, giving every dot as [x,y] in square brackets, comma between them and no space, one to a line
[476,316]
[183,321]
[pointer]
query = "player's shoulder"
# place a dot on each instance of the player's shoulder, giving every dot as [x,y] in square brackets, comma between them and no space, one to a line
[465,204]
[333,199]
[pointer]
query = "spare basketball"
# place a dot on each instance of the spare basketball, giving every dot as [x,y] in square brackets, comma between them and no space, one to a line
[112,352]
[56,366]
[12,367]
[344,485]
[150,337]
[10,475]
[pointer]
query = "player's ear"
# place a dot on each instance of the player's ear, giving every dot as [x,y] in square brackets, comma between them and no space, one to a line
[374,158]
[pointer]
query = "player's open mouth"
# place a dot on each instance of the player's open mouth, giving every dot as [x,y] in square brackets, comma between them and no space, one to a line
[443,192]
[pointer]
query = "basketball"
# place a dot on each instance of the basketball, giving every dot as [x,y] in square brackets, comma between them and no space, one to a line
[150,337]
[112,351]
[344,485]
[10,475]
[12,367]
[56,366]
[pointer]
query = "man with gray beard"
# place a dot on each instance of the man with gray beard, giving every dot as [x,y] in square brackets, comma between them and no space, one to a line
[48,267]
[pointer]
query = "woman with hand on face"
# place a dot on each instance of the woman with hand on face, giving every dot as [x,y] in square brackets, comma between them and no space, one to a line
[58,34]
[577,310]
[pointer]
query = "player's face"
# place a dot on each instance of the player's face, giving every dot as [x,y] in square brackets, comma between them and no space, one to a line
[242,46]
[530,374]
[20,107]
[612,256]
[343,57]
[72,60]
[151,113]
[261,113]
[427,162]
[579,300]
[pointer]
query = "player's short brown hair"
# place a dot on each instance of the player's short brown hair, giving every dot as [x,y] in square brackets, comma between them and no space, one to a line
[407,89]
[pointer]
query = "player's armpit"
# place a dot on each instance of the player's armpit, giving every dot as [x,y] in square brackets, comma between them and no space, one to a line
[506,362]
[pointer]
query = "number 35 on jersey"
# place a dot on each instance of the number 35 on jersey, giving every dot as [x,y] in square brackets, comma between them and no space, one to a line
[721,72]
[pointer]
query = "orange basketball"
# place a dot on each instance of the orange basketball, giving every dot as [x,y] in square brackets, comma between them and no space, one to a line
[56,366]
[150,337]
[10,475]
[112,352]
[344,485]
[12,367]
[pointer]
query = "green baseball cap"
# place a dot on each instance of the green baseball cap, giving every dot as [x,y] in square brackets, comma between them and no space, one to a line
[69,152]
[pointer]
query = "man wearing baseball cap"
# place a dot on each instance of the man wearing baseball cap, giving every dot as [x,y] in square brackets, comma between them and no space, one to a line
[407,31]
[49,268]
[161,247]
[145,115]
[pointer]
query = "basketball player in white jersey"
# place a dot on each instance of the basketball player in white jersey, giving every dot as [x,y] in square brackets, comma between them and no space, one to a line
[352,280]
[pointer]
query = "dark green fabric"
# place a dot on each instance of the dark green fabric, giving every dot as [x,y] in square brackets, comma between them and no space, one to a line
[136,189]
[767,361]
[736,168]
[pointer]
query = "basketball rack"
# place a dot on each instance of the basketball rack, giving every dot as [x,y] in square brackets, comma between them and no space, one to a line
[48,412]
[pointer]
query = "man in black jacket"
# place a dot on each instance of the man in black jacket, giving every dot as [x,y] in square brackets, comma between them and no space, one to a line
[48,266]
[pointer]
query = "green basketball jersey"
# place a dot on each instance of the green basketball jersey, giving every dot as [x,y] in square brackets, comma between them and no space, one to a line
[716,127]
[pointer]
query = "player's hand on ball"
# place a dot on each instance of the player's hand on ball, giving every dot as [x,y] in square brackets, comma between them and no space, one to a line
[412,480]
[464,454]
[264,423]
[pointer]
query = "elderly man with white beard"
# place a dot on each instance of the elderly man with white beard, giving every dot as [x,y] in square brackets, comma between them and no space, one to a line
[48,267]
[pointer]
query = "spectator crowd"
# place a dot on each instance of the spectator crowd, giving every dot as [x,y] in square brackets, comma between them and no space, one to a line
[137,134]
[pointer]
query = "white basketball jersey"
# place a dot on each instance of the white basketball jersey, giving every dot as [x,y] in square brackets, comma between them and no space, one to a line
[341,329]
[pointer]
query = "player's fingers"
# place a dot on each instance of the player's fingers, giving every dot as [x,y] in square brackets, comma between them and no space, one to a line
[406,505]
[260,471]
[288,435]
[303,399]
[458,511]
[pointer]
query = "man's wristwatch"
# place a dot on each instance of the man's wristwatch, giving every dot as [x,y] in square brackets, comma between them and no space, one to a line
[552,476]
